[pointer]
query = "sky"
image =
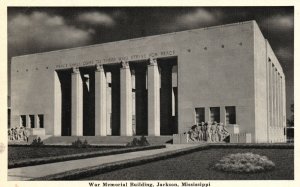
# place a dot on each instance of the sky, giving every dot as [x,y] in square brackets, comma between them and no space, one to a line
[38,29]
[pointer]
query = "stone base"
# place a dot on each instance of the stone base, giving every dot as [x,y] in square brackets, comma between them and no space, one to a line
[180,138]
[234,138]
[240,138]
[37,131]
[233,129]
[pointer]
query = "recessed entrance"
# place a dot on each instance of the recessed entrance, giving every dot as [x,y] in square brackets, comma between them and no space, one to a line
[88,98]
[76,98]
[168,95]
[65,88]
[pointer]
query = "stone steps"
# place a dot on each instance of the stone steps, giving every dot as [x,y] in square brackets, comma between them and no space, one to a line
[105,140]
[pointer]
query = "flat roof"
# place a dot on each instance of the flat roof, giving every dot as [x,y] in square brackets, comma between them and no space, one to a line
[140,38]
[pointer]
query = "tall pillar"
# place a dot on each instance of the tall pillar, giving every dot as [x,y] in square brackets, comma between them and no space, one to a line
[207,114]
[223,115]
[278,109]
[141,99]
[166,99]
[284,104]
[276,97]
[271,104]
[28,122]
[273,97]
[77,105]
[37,121]
[269,66]
[126,99]
[268,102]
[115,100]
[153,99]
[100,101]
[175,91]
[57,127]
[281,111]
[281,103]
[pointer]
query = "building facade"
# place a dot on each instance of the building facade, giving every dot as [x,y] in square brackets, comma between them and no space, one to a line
[156,85]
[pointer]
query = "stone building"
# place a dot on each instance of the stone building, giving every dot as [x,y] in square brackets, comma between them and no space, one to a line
[156,85]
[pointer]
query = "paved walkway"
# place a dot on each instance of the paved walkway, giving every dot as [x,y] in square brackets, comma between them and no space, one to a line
[30,172]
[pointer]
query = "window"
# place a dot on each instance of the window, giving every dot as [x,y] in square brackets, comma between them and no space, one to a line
[23,120]
[31,118]
[41,120]
[230,115]
[215,114]
[199,115]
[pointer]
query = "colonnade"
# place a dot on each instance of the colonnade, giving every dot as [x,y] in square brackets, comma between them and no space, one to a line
[276,103]
[153,89]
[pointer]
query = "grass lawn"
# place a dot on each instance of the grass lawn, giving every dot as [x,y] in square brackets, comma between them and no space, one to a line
[16,153]
[197,166]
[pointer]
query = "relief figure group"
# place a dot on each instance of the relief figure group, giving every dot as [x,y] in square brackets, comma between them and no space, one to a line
[209,132]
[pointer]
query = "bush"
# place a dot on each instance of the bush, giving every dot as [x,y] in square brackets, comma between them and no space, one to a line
[37,142]
[139,142]
[79,144]
[244,163]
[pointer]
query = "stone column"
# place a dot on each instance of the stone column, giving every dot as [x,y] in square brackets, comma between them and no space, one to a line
[175,90]
[57,106]
[153,99]
[223,115]
[166,99]
[207,114]
[269,94]
[28,121]
[269,66]
[141,99]
[126,99]
[284,103]
[77,105]
[37,121]
[100,101]
[280,109]
[280,101]
[273,96]
[276,98]
[279,131]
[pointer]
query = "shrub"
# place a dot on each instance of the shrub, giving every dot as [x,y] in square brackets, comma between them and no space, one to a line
[244,163]
[139,142]
[79,144]
[37,142]
[144,141]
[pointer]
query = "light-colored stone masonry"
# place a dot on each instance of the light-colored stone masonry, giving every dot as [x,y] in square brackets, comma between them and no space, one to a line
[228,65]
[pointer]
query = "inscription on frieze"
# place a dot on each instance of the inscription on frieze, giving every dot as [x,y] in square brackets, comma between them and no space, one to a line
[108,60]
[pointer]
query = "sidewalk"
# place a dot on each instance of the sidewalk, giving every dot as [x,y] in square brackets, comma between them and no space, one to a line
[30,172]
